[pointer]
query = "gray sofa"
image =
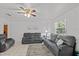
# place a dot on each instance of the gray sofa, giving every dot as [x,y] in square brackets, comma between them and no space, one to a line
[5,44]
[67,48]
[29,38]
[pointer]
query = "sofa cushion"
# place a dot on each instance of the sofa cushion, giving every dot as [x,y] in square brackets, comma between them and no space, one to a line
[2,36]
[51,46]
[69,40]
[32,35]
[53,37]
[2,44]
[65,51]
[2,39]
[26,34]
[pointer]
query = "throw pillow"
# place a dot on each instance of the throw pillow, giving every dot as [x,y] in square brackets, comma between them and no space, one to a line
[59,42]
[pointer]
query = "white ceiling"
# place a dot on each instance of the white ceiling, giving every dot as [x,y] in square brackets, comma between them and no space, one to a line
[44,10]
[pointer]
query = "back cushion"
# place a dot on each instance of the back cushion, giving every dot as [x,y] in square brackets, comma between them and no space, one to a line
[2,36]
[53,37]
[59,37]
[2,39]
[2,42]
[69,40]
[32,35]
[27,34]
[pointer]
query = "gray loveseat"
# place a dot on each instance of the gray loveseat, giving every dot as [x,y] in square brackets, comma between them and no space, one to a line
[29,38]
[67,48]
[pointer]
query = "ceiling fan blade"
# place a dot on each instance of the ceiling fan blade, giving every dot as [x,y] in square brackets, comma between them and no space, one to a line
[33,10]
[13,9]
[22,8]
[33,15]
[8,14]
[20,12]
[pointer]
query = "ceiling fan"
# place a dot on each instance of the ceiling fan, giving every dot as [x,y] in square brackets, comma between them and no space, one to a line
[27,12]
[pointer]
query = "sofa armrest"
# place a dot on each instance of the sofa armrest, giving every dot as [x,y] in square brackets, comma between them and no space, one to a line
[51,46]
[9,42]
[65,50]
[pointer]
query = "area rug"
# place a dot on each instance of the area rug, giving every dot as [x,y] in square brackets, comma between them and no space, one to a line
[38,50]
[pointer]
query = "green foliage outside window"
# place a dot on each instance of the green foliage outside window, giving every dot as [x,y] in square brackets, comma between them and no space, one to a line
[60,27]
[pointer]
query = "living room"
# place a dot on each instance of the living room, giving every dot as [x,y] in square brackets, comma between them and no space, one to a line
[43,20]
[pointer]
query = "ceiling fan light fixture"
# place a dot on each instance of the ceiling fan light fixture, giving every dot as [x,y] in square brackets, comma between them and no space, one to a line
[28,15]
[25,14]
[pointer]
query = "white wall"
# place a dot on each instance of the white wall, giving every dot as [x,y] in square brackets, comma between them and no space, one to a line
[19,26]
